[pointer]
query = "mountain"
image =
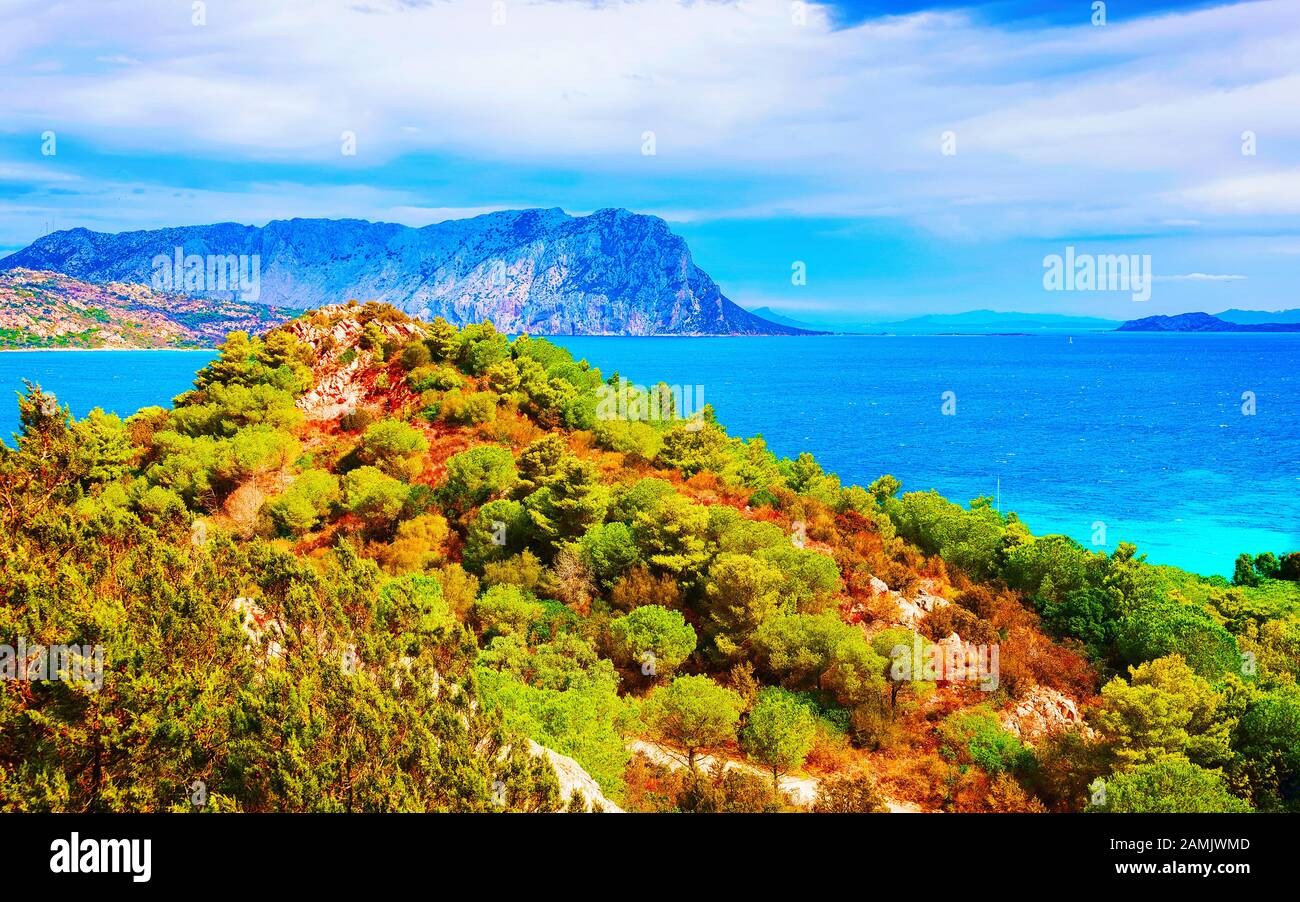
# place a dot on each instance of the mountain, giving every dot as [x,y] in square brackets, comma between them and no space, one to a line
[772,316]
[539,271]
[49,310]
[1200,322]
[1251,317]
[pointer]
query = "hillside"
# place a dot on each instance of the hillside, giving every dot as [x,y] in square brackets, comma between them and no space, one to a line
[371,563]
[537,271]
[1201,322]
[1247,317]
[49,310]
[772,316]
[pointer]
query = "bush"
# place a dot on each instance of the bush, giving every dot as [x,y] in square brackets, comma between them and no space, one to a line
[608,550]
[374,496]
[654,639]
[476,475]
[420,543]
[415,354]
[302,505]
[694,449]
[499,529]
[1289,567]
[523,570]
[728,791]
[582,721]
[482,346]
[431,378]
[977,737]
[849,794]
[356,420]
[393,446]
[1171,785]
[468,409]
[631,437]
[506,611]
[811,579]
[639,586]
[642,495]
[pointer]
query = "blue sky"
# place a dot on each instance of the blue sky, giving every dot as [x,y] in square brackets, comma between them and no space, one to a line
[781,134]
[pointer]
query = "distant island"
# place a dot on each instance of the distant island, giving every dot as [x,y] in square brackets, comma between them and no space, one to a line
[968,322]
[538,271]
[995,322]
[1204,322]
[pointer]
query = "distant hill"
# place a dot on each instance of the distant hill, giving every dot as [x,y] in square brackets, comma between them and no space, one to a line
[50,310]
[772,316]
[1201,322]
[995,321]
[1249,317]
[539,271]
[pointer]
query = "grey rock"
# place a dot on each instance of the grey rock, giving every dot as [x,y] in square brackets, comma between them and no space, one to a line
[541,271]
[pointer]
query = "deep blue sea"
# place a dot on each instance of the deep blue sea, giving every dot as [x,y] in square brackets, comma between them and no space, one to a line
[120,382]
[1144,433]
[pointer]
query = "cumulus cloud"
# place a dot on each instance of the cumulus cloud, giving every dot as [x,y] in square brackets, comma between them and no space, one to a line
[1057,130]
[1275,192]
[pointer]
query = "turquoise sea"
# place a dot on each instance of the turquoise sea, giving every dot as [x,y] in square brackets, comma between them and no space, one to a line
[1142,432]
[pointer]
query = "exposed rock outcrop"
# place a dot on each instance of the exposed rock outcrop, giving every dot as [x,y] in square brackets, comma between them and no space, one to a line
[1042,712]
[573,779]
[540,271]
[909,612]
[339,387]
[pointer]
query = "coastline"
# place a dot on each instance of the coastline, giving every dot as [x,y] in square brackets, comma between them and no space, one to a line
[82,350]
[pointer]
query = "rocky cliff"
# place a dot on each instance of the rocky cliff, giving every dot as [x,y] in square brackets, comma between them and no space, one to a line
[541,271]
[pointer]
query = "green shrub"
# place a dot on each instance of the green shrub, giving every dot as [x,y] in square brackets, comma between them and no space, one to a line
[374,496]
[976,737]
[476,475]
[302,505]
[468,408]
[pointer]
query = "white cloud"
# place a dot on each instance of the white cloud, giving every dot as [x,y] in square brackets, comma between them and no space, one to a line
[1270,193]
[32,173]
[119,206]
[1201,277]
[1059,130]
